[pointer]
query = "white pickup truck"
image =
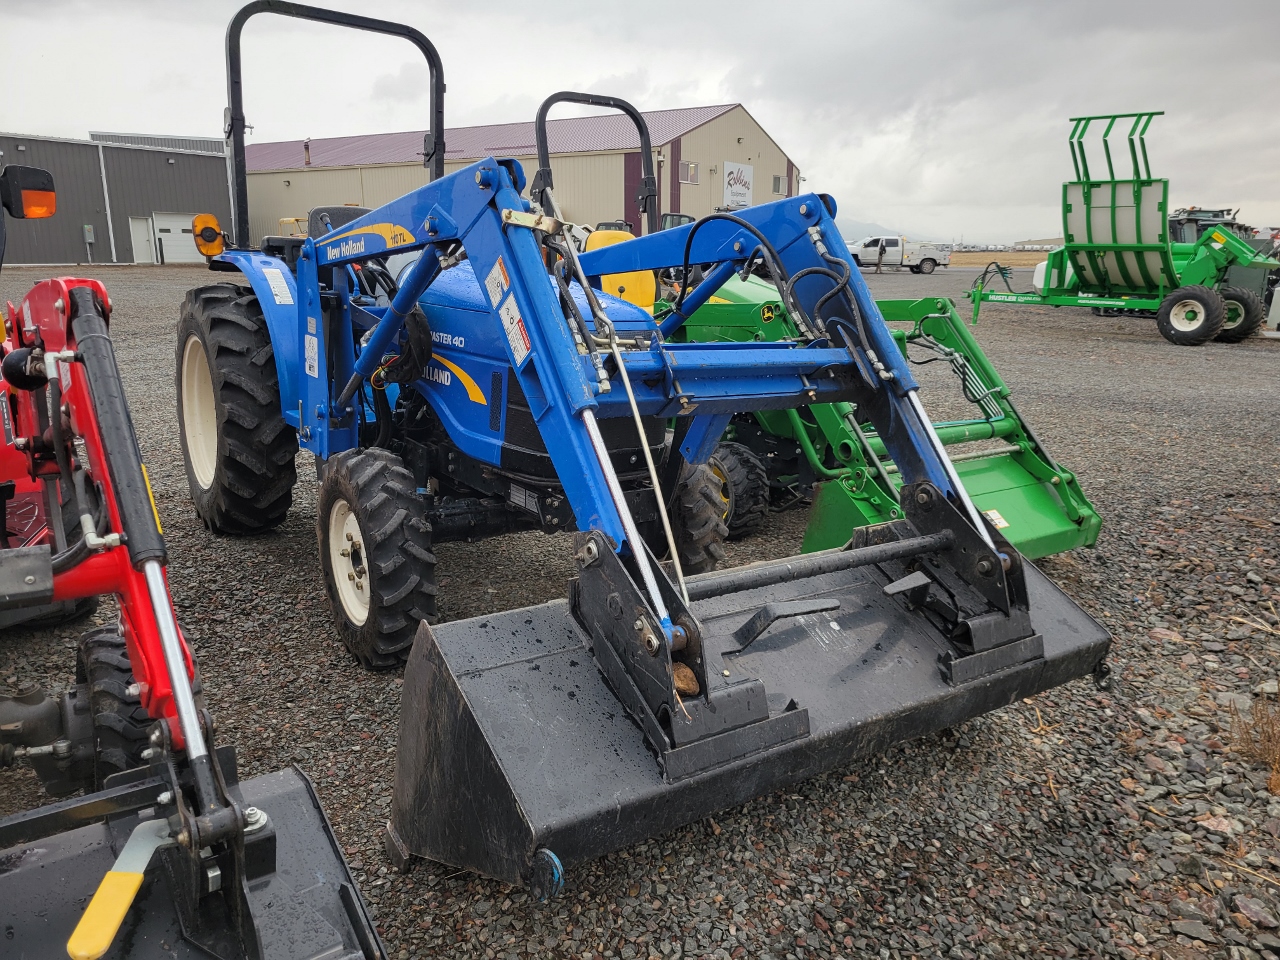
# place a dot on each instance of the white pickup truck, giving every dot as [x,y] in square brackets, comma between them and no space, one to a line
[900,252]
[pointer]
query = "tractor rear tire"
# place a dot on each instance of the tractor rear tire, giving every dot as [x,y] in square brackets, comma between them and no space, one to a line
[375,552]
[747,481]
[1191,316]
[236,446]
[1244,315]
[700,528]
[121,727]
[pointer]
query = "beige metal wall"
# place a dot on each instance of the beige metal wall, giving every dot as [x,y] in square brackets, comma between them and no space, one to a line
[588,187]
[717,141]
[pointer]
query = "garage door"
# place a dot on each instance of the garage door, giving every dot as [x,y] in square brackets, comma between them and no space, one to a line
[175,243]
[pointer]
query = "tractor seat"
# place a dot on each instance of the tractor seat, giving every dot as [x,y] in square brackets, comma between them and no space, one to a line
[638,287]
[338,216]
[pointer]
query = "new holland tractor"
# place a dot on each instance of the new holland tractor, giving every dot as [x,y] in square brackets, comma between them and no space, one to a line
[153,846]
[648,697]
[1120,256]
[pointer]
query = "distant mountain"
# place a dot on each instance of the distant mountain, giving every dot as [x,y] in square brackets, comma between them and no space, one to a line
[853,230]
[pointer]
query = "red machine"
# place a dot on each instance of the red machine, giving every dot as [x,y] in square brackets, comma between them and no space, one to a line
[77,520]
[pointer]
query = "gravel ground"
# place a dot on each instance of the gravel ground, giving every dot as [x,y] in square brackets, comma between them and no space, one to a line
[1079,824]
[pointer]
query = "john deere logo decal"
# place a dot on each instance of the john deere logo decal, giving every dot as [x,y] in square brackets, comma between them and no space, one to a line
[766,312]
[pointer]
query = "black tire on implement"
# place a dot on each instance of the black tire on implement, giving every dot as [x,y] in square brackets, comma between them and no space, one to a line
[748,483]
[121,726]
[248,482]
[700,530]
[390,557]
[1244,314]
[1191,316]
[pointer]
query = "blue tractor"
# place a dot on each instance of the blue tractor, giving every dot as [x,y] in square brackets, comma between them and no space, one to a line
[493,385]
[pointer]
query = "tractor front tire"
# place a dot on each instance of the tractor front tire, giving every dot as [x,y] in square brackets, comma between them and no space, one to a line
[747,480]
[121,727]
[700,532]
[1245,313]
[237,447]
[375,551]
[1191,316]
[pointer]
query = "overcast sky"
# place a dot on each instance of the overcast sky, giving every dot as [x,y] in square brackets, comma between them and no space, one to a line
[940,119]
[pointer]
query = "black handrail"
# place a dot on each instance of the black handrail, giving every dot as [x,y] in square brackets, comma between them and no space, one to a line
[646,196]
[235,94]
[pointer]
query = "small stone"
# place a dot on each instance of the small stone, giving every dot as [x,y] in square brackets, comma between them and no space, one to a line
[1191,866]
[1268,686]
[1154,763]
[1256,911]
[1213,646]
[1194,929]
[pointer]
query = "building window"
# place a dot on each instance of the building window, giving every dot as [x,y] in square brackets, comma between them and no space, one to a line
[779,186]
[688,172]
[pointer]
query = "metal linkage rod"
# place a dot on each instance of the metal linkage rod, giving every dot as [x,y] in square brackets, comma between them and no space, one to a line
[812,565]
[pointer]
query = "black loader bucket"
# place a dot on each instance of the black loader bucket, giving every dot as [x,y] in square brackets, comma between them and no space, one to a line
[553,734]
[301,901]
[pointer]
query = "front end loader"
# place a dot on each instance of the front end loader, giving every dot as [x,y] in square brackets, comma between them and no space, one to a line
[1119,256]
[649,697]
[1035,502]
[166,852]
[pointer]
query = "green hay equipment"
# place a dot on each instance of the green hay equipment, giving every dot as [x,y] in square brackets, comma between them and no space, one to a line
[1119,255]
[1037,504]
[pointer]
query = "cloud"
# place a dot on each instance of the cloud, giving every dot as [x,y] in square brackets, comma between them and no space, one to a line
[939,119]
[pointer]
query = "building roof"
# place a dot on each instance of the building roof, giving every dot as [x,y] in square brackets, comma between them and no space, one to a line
[571,135]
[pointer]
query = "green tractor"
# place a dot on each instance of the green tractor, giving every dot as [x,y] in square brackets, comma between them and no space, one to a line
[771,455]
[1121,254]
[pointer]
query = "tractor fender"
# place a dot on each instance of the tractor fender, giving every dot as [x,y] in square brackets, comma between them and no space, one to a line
[277,292]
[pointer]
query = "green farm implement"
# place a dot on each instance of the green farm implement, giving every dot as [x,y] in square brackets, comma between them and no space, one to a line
[1119,253]
[1037,504]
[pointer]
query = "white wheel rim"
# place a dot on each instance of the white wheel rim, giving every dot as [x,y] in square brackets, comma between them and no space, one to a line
[1187,315]
[348,563]
[199,412]
[1235,314]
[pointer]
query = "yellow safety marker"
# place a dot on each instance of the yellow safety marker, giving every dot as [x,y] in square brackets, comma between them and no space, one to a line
[102,918]
[147,480]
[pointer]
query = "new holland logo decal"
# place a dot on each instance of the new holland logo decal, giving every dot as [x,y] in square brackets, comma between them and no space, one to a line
[364,241]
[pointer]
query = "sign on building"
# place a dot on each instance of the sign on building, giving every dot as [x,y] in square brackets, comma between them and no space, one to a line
[737,184]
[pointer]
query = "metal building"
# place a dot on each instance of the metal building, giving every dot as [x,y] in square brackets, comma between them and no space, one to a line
[118,202]
[707,158]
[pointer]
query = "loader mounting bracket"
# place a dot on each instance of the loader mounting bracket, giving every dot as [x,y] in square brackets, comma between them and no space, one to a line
[725,720]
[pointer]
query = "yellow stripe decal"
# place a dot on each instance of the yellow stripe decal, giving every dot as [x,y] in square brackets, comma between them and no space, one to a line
[147,480]
[102,918]
[395,235]
[474,393]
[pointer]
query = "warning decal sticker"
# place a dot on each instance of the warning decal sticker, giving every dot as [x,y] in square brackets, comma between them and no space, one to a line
[497,282]
[513,324]
[313,356]
[997,521]
[279,287]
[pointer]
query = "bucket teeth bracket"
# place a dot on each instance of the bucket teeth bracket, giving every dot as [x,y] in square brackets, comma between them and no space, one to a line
[720,721]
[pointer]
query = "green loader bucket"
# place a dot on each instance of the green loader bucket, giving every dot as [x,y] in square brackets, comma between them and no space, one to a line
[1035,503]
